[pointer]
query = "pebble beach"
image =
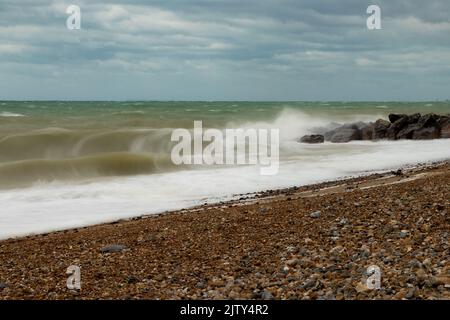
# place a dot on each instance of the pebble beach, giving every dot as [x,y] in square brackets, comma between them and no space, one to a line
[312,242]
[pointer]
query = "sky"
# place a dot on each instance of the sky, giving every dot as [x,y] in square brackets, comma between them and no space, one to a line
[225,50]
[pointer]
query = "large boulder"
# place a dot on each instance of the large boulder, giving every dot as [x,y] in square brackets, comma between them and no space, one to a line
[393,117]
[367,132]
[399,126]
[408,131]
[346,135]
[313,138]
[400,123]
[426,133]
[420,127]
[429,120]
[346,132]
[380,128]
[445,129]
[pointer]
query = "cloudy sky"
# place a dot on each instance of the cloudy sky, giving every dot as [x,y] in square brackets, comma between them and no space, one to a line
[225,50]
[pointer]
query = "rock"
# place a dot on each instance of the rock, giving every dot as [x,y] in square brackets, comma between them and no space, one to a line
[445,130]
[404,233]
[398,172]
[428,120]
[396,127]
[426,134]
[315,214]
[410,293]
[408,131]
[132,279]
[367,132]
[380,129]
[361,287]
[401,122]
[291,262]
[345,135]
[112,248]
[3,285]
[337,250]
[400,126]
[393,117]
[309,284]
[267,295]
[314,138]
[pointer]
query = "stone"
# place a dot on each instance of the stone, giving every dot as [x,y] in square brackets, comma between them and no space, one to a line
[429,120]
[410,293]
[112,248]
[267,295]
[380,129]
[404,233]
[393,117]
[367,132]
[131,279]
[3,285]
[315,214]
[346,135]
[445,130]
[401,122]
[407,132]
[361,287]
[314,138]
[426,134]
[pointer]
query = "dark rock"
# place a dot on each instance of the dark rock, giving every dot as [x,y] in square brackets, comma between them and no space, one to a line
[426,133]
[395,127]
[445,129]
[400,126]
[346,134]
[132,279]
[398,172]
[112,248]
[314,138]
[3,285]
[407,133]
[401,123]
[429,120]
[315,214]
[380,129]
[266,295]
[367,132]
[414,118]
[393,117]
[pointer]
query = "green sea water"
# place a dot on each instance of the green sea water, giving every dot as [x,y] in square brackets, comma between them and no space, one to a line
[23,116]
[66,140]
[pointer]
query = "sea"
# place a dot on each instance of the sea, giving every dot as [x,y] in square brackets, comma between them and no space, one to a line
[66,164]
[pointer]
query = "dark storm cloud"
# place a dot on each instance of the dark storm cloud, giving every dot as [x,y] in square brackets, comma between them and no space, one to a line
[228,49]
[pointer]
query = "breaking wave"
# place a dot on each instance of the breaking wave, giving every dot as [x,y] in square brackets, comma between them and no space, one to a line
[27,172]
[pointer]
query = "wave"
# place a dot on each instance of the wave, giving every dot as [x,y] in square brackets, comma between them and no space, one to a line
[7,114]
[27,172]
[57,143]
